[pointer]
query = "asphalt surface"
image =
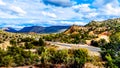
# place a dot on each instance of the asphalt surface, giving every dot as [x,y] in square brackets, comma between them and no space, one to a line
[91,48]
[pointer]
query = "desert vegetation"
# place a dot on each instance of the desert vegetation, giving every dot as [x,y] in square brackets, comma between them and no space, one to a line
[27,50]
[31,49]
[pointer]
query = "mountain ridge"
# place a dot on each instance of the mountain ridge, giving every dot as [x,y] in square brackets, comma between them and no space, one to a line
[110,25]
[37,29]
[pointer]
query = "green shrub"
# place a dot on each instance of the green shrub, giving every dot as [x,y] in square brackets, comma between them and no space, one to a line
[94,43]
[35,43]
[27,39]
[45,57]
[110,51]
[60,56]
[80,57]
[28,45]
[14,50]
[40,50]
[41,42]
[19,60]
[1,41]
[102,42]
[13,42]
[7,61]
[110,63]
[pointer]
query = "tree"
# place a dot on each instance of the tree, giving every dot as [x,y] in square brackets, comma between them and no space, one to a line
[40,50]
[102,42]
[13,42]
[35,43]
[28,45]
[41,42]
[94,43]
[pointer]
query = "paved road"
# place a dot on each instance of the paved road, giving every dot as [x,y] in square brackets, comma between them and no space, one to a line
[91,48]
[93,51]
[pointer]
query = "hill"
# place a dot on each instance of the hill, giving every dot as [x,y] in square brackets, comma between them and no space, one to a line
[94,30]
[56,29]
[97,27]
[36,29]
[9,29]
[39,29]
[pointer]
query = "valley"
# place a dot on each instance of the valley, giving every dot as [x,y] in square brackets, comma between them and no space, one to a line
[95,44]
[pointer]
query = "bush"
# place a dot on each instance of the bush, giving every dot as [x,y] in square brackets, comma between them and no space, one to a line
[2,54]
[80,57]
[28,45]
[27,39]
[34,58]
[110,63]
[14,50]
[60,56]
[19,60]
[35,43]
[102,42]
[7,61]
[1,41]
[41,42]
[94,43]
[40,50]
[110,51]
[13,42]
[45,57]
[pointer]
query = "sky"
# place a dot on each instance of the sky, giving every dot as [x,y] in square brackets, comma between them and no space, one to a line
[22,13]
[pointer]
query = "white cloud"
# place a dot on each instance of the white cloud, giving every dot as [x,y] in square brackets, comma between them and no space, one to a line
[6,15]
[35,12]
[2,3]
[85,10]
[82,7]
[110,10]
[71,23]
[101,3]
[98,3]
[91,15]
[14,26]
[49,14]
[19,10]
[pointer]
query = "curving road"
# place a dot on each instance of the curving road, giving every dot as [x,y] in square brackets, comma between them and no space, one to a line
[93,51]
[91,48]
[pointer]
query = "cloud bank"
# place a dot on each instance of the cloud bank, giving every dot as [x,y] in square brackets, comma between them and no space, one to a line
[21,13]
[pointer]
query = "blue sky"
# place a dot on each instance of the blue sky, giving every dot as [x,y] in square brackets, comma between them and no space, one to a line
[21,13]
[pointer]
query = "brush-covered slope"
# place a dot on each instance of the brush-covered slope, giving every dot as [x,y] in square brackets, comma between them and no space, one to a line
[94,30]
[97,27]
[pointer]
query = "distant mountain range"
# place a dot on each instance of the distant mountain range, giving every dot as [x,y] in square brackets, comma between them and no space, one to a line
[37,29]
[9,29]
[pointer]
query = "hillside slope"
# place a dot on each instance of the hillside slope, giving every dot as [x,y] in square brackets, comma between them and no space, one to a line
[97,27]
[94,30]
